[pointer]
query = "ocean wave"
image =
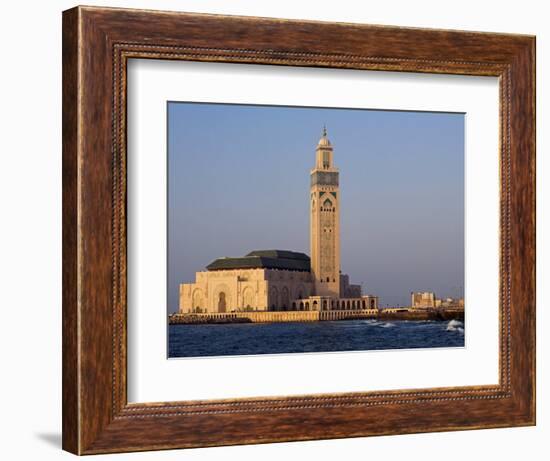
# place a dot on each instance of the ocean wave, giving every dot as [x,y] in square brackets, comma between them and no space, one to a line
[455,325]
[387,325]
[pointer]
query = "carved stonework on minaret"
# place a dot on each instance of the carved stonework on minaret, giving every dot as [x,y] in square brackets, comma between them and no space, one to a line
[325,221]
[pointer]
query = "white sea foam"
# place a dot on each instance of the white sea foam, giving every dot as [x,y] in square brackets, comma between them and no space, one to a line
[455,325]
[370,321]
[387,325]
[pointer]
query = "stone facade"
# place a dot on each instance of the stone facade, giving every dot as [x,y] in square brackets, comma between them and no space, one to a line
[240,290]
[347,290]
[424,299]
[265,290]
[275,280]
[428,300]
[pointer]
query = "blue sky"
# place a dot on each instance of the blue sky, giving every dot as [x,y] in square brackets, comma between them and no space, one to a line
[239,181]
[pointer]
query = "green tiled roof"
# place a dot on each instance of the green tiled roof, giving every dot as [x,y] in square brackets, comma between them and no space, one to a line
[264,259]
[283,254]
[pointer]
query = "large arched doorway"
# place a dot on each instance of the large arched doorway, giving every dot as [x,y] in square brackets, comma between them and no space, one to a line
[222,302]
[301,291]
[198,302]
[285,298]
[248,299]
[274,295]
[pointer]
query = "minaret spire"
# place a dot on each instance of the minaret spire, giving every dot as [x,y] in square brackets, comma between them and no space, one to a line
[325,221]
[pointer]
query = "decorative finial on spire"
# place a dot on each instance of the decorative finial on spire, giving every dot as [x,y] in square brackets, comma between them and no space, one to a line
[324,142]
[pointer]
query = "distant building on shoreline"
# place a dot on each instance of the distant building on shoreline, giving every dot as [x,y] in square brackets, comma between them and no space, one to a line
[428,300]
[281,280]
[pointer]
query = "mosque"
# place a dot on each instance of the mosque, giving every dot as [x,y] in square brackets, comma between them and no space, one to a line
[282,280]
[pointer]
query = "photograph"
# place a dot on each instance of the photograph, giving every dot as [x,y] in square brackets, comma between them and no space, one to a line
[313,229]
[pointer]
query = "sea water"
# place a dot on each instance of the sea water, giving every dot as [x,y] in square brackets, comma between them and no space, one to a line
[285,338]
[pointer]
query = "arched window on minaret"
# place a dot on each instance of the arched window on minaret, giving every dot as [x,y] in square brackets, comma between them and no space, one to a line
[326,159]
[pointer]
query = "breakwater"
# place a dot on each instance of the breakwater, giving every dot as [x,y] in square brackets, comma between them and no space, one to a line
[315,316]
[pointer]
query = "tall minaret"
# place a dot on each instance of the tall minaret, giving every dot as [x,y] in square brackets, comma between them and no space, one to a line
[325,222]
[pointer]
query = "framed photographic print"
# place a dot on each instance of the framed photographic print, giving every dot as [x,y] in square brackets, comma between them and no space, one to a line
[281,230]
